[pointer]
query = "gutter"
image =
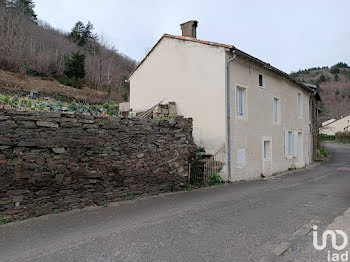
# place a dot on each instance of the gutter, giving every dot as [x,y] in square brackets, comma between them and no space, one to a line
[228,113]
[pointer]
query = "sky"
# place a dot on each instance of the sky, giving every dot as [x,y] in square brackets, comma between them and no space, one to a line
[288,34]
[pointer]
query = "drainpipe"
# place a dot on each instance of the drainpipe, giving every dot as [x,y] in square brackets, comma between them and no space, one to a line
[228,102]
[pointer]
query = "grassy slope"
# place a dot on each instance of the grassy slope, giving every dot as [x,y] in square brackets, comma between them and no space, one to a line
[13,83]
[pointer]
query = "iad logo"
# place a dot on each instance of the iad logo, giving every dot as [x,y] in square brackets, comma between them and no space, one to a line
[332,256]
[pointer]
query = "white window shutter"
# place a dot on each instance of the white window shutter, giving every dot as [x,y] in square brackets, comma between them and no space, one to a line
[241,157]
[295,143]
[243,102]
[286,142]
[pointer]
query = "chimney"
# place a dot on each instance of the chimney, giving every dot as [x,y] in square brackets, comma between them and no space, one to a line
[189,29]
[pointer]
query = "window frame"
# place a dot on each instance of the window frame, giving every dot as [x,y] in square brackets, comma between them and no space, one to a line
[262,81]
[244,162]
[276,110]
[245,104]
[267,148]
[300,105]
[289,144]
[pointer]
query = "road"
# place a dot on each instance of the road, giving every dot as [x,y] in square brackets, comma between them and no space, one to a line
[263,220]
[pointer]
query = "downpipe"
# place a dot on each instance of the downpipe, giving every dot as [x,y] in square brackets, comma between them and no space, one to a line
[228,113]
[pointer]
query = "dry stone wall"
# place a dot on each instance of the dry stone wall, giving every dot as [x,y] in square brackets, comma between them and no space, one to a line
[50,162]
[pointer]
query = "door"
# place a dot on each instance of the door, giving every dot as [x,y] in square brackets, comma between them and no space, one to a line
[300,148]
[267,156]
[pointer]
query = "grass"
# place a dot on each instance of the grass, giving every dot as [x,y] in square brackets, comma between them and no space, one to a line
[128,197]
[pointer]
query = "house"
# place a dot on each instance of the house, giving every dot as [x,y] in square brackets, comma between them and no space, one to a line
[263,116]
[332,127]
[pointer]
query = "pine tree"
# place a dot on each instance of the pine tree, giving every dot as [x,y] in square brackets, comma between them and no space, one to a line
[82,34]
[24,6]
[75,66]
[2,4]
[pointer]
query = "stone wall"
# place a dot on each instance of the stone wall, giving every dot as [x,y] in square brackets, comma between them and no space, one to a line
[50,162]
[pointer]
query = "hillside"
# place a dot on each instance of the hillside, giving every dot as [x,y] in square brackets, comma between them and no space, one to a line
[334,84]
[22,85]
[79,58]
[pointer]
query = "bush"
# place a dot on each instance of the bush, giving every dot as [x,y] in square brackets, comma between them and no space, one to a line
[335,70]
[326,137]
[215,180]
[322,152]
[342,135]
[73,81]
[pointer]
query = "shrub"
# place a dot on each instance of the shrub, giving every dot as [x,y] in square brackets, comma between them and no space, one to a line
[322,152]
[326,137]
[342,135]
[335,70]
[215,179]
[73,81]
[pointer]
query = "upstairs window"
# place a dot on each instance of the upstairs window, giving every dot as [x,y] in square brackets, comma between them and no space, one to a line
[261,81]
[241,102]
[276,110]
[300,105]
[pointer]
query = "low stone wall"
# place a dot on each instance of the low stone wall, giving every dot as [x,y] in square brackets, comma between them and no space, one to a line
[50,162]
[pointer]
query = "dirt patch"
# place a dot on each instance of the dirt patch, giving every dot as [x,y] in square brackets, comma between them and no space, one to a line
[13,83]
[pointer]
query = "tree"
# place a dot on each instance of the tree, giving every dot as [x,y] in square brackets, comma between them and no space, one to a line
[75,66]
[25,7]
[335,70]
[336,77]
[82,34]
[125,85]
[2,4]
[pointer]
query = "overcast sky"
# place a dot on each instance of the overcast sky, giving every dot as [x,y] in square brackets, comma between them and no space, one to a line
[288,34]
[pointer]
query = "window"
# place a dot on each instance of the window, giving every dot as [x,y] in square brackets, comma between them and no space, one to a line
[261,81]
[267,150]
[241,157]
[241,102]
[276,110]
[300,105]
[289,144]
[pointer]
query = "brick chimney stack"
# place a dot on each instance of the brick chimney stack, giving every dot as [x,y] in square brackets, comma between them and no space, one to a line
[189,29]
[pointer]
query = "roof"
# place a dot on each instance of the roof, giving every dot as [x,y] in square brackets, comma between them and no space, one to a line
[307,87]
[334,121]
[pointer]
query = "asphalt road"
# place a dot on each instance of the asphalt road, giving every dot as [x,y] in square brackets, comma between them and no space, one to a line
[264,220]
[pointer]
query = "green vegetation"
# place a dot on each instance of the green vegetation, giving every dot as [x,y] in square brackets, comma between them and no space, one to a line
[3,220]
[200,149]
[215,180]
[326,137]
[56,211]
[25,7]
[322,152]
[102,203]
[43,105]
[335,70]
[165,117]
[37,49]
[128,197]
[82,34]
